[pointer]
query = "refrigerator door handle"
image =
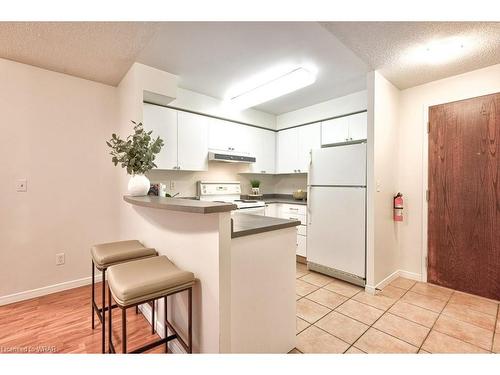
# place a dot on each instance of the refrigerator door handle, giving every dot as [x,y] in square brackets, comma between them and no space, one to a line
[309,218]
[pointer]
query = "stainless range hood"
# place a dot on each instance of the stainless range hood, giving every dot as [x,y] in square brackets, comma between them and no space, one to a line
[230,157]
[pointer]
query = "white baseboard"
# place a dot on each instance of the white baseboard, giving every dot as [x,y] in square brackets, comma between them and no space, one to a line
[39,292]
[410,275]
[174,347]
[399,273]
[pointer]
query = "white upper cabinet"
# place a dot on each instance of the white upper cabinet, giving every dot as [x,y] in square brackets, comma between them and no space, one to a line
[344,129]
[294,147]
[192,144]
[262,146]
[358,124]
[163,122]
[309,139]
[334,131]
[185,137]
[287,144]
[228,136]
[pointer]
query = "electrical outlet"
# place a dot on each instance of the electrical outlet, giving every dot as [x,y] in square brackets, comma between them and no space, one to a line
[172,185]
[60,259]
[22,185]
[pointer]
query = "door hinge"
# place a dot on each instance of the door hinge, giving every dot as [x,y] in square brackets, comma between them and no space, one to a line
[427,195]
[428,127]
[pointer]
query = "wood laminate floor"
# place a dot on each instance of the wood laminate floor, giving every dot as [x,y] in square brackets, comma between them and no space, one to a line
[61,323]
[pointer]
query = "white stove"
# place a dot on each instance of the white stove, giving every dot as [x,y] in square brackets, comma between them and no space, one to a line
[229,192]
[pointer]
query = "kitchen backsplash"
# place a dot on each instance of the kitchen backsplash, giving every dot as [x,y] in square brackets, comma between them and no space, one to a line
[184,182]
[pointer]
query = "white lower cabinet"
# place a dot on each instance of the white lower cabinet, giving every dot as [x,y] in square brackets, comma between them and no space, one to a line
[301,245]
[294,212]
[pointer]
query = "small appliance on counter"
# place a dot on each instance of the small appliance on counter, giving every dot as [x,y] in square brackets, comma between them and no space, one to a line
[299,195]
[229,192]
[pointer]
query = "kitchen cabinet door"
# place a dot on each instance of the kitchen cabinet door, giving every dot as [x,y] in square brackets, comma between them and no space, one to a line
[192,142]
[220,134]
[335,131]
[163,122]
[263,146]
[228,136]
[309,138]
[357,126]
[287,151]
[241,138]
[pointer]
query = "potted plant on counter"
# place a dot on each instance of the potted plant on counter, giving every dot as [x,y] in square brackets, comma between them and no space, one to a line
[255,187]
[137,154]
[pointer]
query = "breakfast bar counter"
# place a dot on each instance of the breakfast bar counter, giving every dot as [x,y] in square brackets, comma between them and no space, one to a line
[245,224]
[244,299]
[180,204]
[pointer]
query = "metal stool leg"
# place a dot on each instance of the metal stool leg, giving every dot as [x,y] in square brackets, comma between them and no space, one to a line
[103,336]
[166,326]
[124,331]
[190,320]
[93,294]
[110,329]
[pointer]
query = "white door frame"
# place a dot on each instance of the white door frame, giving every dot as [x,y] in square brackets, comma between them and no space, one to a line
[425,169]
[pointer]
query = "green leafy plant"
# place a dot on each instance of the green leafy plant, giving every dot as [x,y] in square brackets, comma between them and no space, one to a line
[255,183]
[137,152]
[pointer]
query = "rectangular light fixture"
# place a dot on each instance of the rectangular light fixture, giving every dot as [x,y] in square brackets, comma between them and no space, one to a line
[284,84]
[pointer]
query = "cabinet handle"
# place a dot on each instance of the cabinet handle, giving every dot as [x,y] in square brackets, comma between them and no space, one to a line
[262,171]
[293,209]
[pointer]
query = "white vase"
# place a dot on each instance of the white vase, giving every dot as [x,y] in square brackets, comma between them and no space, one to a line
[138,185]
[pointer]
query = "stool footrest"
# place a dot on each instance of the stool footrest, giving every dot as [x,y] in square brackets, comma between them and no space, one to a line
[154,344]
[98,310]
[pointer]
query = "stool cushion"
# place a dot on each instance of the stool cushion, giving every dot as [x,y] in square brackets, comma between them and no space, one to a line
[146,279]
[107,254]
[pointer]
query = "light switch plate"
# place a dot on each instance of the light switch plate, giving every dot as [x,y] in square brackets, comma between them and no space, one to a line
[22,185]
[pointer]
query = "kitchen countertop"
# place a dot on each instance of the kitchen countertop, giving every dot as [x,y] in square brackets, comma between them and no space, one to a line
[179,204]
[247,224]
[284,200]
[278,198]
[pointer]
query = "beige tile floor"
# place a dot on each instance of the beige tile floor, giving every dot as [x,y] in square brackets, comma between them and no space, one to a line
[405,317]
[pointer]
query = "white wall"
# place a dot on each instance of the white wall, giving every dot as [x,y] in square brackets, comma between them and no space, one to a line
[53,133]
[383,250]
[211,106]
[412,167]
[331,108]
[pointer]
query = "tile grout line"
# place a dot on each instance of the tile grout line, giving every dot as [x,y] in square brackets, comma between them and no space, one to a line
[439,314]
[372,325]
[433,324]
[495,328]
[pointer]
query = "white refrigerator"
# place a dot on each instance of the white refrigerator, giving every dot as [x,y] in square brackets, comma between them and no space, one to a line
[336,231]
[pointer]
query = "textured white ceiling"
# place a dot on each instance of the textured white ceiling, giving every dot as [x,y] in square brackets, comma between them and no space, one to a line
[99,51]
[385,46]
[210,57]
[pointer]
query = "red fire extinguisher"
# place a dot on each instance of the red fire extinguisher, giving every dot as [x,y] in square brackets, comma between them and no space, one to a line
[398,207]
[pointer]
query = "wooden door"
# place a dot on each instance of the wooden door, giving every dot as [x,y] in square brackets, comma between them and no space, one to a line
[464,196]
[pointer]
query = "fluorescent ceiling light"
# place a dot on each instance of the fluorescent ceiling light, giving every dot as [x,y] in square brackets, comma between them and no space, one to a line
[440,51]
[291,81]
